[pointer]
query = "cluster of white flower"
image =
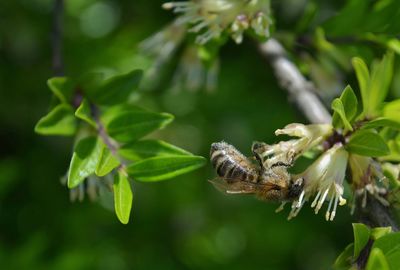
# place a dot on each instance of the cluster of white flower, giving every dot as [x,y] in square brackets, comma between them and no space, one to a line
[210,18]
[323,179]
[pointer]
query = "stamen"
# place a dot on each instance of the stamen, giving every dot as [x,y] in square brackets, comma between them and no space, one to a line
[321,201]
[301,197]
[334,207]
[327,214]
[316,199]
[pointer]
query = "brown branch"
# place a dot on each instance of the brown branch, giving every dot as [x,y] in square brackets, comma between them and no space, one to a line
[300,90]
[303,93]
[56,38]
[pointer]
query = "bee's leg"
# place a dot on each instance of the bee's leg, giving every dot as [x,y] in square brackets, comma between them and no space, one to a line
[281,207]
[296,188]
[286,160]
[260,150]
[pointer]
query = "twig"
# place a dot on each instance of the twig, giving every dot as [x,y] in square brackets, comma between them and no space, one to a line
[56,38]
[106,139]
[302,92]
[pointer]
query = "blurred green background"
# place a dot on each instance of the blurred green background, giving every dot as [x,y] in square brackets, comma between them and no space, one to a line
[183,223]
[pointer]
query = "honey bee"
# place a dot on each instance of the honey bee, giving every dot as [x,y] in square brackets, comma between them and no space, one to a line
[238,174]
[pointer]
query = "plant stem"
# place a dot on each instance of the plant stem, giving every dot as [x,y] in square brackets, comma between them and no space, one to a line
[303,93]
[56,38]
[106,139]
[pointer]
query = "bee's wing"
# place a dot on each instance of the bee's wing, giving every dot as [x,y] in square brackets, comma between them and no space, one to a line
[238,187]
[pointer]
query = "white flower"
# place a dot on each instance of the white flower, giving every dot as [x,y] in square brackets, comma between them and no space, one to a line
[210,18]
[192,74]
[161,46]
[325,179]
[309,136]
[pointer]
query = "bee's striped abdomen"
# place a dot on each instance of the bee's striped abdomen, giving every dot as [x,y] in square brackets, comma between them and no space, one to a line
[231,165]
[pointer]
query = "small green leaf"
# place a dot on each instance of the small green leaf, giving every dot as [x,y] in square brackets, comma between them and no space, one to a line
[348,20]
[381,122]
[84,113]
[149,148]
[377,260]
[367,143]
[123,197]
[128,127]
[363,78]
[394,147]
[84,160]
[90,82]
[349,101]
[344,260]
[62,88]
[361,237]
[378,232]
[107,162]
[59,121]
[388,243]
[338,107]
[162,168]
[392,110]
[117,89]
[108,114]
[393,258]
[381,76]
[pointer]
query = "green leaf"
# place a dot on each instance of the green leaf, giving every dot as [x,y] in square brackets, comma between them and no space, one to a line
[361,237]
[377,260]
[363,78]
[378,232]
[123,197]
[62,88]
[381,122]
[150,148]
[348,19]
[338,108]
[84,160]
[117,89]
[162,168]
[108,114]
[90,82]
[367,143]
[393,258]
[107,162]
[388,243]
[394,147]
[381,76]
[84,113]
[349,102]
[59,121]
[345,258]
[392,110]
[130,126]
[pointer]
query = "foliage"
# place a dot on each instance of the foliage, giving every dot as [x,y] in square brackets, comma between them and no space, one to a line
[103,122]
[184,223]
[375,248]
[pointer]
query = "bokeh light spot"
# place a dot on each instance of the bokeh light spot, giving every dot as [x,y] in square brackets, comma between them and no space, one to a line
[99,19]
